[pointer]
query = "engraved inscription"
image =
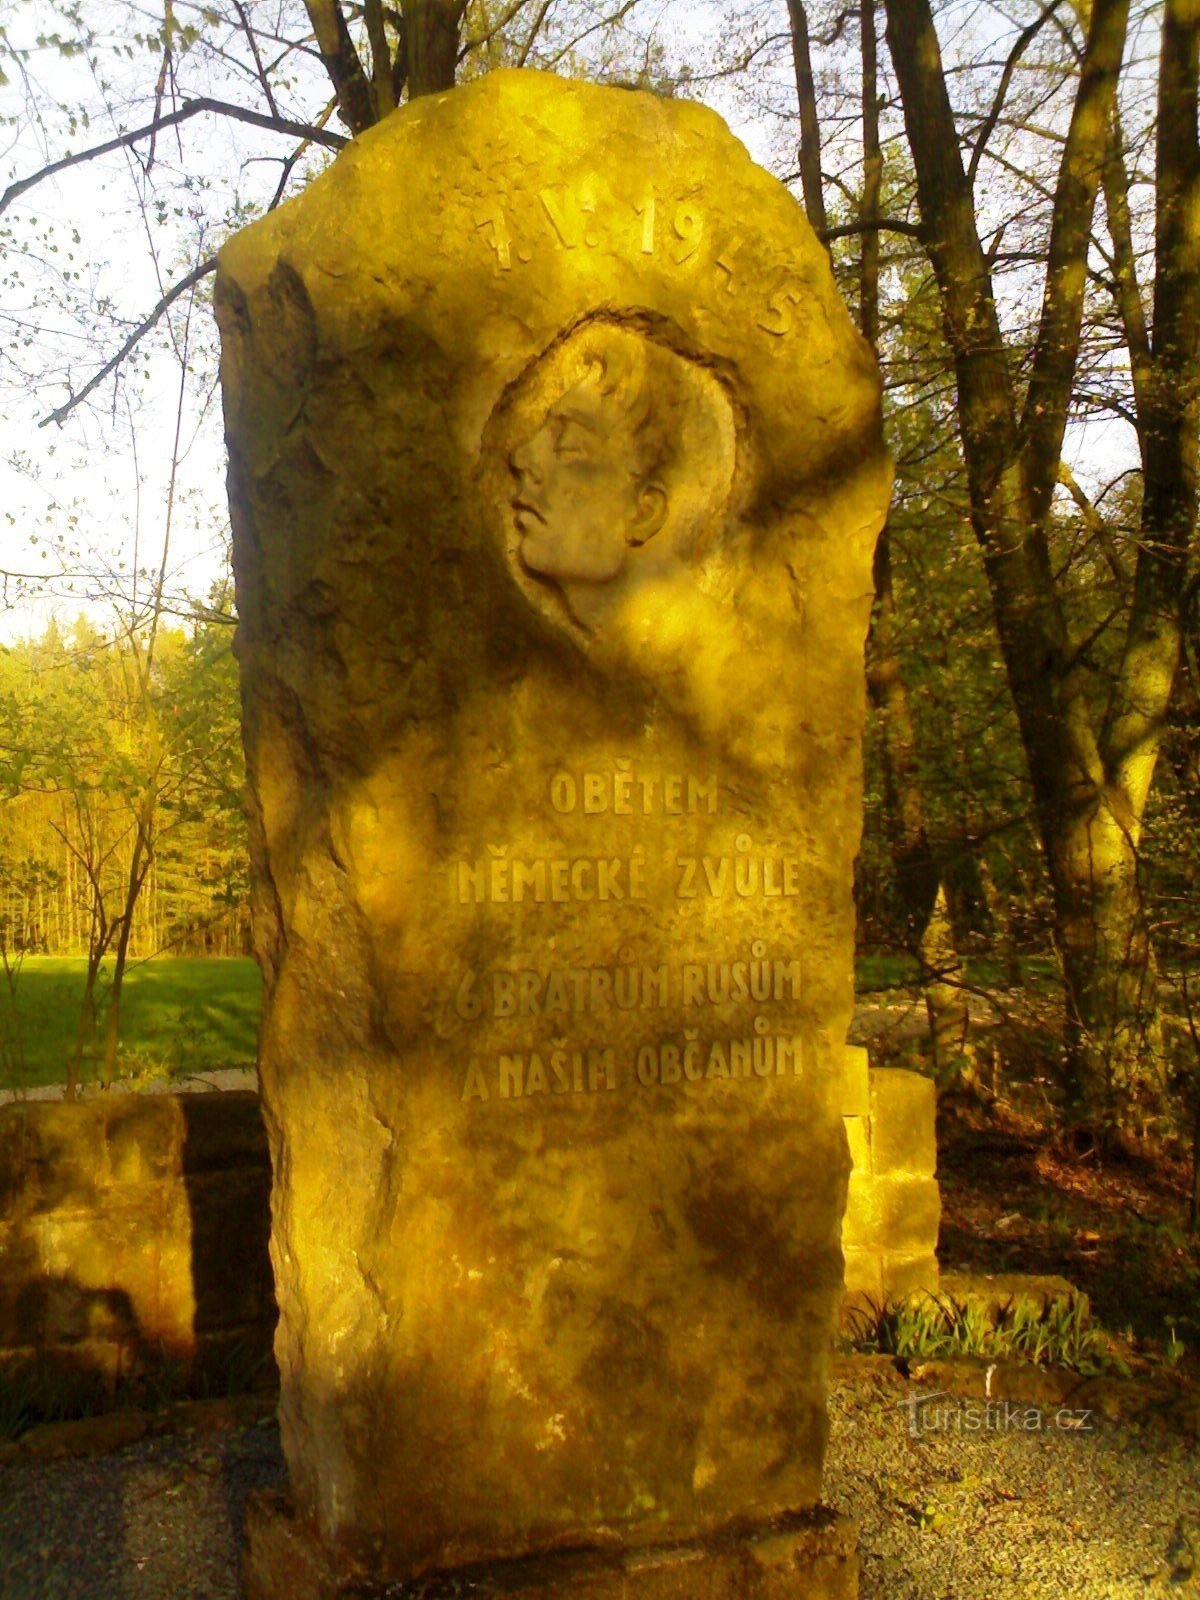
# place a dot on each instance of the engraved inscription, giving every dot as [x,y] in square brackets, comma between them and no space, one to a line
[492,219]
[646,212]
[744,875]
[719,983]
[688,226]
[595,1069]
[590,991]
[780,314]
[592,1070]
[499,879]
[565,222]
[763,1055]
[627,793]
[571,991]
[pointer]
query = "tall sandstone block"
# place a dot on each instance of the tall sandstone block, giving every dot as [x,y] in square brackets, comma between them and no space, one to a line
[555,473]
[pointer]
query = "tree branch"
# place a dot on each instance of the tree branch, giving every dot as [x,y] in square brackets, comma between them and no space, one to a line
[1056,353]
[1024,40]
[498,26]
[341,62]
[252,41]
[168,300]
[1095,524]
[1126,292]
[810,127]
[533,32]
[192,108]
[848,230]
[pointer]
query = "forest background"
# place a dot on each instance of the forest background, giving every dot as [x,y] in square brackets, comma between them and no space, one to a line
[1011,199]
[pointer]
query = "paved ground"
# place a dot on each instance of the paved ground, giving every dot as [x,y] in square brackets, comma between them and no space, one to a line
[1107,1513]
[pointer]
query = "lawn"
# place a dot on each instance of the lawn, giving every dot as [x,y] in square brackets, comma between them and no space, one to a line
[183,1015]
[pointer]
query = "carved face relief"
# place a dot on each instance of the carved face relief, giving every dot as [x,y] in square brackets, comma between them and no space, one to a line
[619,457]
[577,507]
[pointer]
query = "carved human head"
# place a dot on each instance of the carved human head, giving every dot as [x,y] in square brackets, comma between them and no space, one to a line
[633,452]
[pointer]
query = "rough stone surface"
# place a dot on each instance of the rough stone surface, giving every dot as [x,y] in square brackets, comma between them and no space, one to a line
[116,1253]
[1002,1294]
[893,1212]
[903,1116]
[807,1557]
[555,472]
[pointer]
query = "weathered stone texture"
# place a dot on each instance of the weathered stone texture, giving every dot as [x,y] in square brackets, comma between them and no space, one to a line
[806,1557]
[555,472]
[114,1256]
[893,1209]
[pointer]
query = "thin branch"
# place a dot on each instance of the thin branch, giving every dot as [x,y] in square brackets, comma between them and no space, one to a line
[192,108]
[1024,40]
[533,32]
[618,15]
[290,161]
[258,61]
[502,22]
[143,328]
[846,230]
[1095,525]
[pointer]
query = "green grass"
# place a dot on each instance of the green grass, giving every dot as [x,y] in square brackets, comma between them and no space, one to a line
[882,970]
[177,1016]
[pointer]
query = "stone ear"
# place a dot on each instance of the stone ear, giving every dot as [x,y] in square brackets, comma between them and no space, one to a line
[649,515]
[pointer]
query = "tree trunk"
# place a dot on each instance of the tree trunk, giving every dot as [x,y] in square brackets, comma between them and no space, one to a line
[923,898]
[810,127]
[1090,777]
[945,997]
[139,862]
[431,31]
[1113,1064]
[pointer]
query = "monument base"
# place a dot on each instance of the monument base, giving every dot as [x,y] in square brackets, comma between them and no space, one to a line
[807,1556]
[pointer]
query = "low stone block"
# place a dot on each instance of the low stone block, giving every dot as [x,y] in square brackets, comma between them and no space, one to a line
[858,1136]
[142,1134]
[856,1082]
[903,1110]
[897,1214]
[809,1556]
[1002,1293]
[864,1278]
[907,1275]
[100,1271]
[90,1436]
[64,1154]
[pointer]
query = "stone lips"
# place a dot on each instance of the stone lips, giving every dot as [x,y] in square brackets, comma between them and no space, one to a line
[554,911]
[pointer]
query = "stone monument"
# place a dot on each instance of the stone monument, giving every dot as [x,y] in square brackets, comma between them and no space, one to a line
[555,473]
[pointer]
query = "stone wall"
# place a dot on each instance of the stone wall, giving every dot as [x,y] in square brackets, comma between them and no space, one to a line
[890,1230]
[134,1229]
[133,1235]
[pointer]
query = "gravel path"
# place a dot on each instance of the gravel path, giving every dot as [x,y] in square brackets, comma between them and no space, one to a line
[160,1520]
[1106,1513]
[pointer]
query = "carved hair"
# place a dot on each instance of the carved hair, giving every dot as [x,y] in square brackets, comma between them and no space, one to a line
[678,418]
